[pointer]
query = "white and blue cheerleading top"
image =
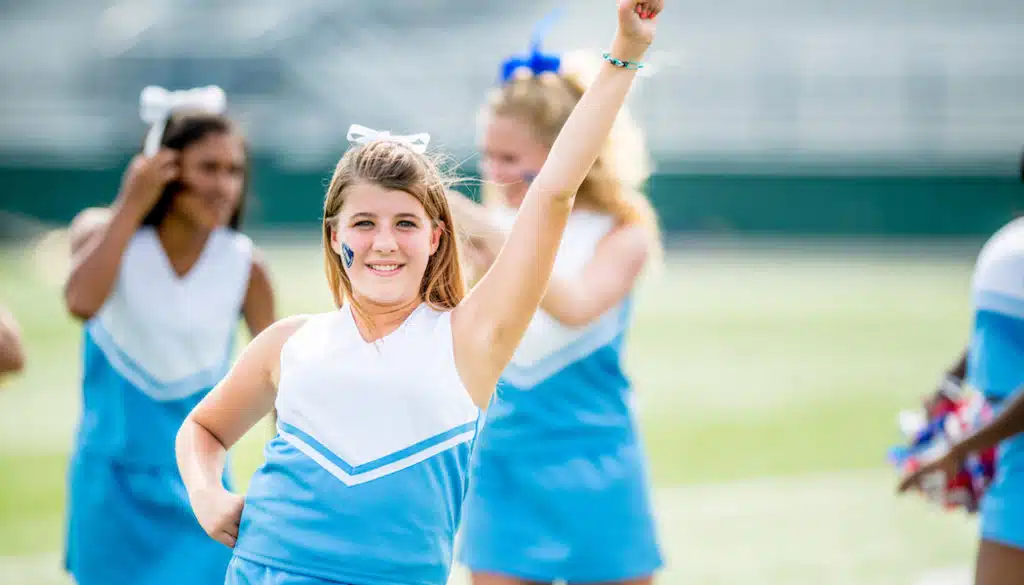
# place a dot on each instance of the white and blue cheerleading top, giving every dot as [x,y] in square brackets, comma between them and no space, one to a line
[158,344]
[365,479]
[566,385]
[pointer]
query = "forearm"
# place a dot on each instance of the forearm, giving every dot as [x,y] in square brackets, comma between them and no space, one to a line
[566,300]
[586,131]
[1009,422]
[95,266]
[201,457]
[534,240]
[568,303]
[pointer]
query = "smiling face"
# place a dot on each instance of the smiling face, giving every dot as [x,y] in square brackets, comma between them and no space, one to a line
[213,179]
[385,240]
[388,236]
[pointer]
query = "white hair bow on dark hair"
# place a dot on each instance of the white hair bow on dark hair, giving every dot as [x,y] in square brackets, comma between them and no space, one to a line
[156,105]
[363,135]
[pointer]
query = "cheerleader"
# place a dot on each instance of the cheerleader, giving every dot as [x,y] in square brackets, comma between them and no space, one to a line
[995,366]
[159,280]
[378,401]
[559,487]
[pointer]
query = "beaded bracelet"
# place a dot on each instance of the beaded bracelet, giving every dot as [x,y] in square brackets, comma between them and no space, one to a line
[624,64]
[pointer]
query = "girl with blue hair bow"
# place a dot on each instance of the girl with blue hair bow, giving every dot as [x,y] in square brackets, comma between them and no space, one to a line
[559,488]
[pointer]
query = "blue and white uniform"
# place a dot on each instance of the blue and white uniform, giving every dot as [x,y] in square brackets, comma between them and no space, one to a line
[156,347]
[559,487]
[995,366]
[364,482]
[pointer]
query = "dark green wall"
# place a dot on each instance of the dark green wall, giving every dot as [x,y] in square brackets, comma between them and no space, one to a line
[848,205]
[838,205]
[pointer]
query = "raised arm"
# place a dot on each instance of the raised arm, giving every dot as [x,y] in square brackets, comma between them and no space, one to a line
[99,236]
[491,321]
[223,416]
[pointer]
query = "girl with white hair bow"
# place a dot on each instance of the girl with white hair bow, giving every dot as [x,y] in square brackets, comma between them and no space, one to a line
[159,280]
[379,401]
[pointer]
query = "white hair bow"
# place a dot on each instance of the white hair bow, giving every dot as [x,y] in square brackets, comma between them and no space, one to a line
[362,135]
[156,105]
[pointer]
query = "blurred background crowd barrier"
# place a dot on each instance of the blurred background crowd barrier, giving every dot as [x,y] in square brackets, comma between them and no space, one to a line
[799,117]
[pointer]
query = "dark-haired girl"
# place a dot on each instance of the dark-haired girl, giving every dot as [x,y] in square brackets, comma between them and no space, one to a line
[159,280]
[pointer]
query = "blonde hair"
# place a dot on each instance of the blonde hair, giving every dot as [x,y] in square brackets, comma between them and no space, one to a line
[392,165]
[615,182]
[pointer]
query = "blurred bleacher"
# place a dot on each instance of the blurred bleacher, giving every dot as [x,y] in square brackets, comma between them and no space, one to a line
[738,82]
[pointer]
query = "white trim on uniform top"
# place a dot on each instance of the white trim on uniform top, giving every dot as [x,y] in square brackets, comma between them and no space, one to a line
[387,465]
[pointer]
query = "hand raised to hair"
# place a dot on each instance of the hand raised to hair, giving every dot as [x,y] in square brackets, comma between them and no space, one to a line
[146,177]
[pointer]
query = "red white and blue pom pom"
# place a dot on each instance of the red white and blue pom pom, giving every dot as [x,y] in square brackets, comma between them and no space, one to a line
[929,433]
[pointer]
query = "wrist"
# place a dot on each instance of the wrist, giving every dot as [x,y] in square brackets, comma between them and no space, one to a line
[959,450]
[625,49]
[201,489]
[128,205]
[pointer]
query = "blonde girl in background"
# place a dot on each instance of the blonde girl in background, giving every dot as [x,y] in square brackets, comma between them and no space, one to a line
[559,487]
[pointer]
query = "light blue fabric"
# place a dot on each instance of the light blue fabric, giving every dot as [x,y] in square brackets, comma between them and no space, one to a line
[558,487]
[996,368]
[397,529]
[584,517]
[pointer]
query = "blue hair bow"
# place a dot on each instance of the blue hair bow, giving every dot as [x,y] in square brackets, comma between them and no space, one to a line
[537,61]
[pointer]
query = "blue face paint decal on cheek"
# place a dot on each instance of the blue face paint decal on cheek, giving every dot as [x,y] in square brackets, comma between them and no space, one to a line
[529,176]
[347,255]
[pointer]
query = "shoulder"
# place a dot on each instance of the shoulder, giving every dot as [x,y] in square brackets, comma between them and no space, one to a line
[91,216]
[269,343]
[233,243]
[236,257]
[1001,261]
[263,352]
[86,223]
[283,329]
[1006,245]
[259,268]
[435,318]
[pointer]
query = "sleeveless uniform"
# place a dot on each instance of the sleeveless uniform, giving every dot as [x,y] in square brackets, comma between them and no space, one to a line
[364,482]
[996,367]
[559,486]
[156,347]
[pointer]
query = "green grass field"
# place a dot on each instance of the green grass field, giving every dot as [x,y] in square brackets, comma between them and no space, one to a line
[768,380]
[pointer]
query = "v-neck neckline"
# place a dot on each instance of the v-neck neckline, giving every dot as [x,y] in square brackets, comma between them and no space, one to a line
[350,316]
[190,274]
